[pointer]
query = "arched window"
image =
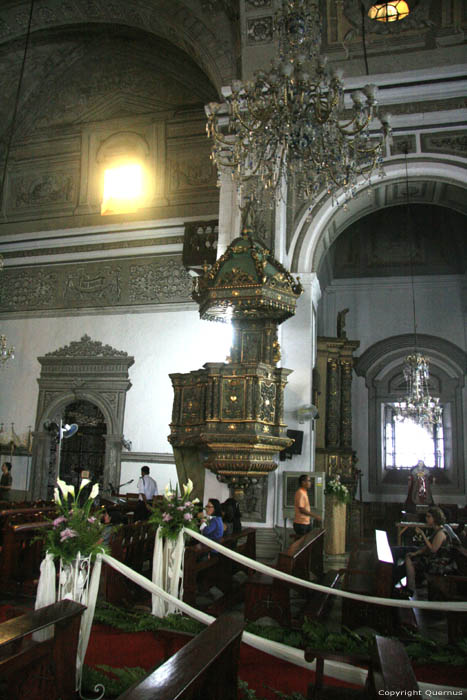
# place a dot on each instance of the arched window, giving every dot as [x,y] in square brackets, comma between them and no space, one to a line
[394,447]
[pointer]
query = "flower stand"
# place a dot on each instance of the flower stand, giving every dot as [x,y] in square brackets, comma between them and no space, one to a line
[335,524]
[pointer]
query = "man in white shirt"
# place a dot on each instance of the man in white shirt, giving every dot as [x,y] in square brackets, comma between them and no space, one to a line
[147,489]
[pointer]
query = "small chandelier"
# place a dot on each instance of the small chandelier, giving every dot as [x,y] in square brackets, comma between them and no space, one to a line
[418,405]
[392,11]
[290,124]
[6,353]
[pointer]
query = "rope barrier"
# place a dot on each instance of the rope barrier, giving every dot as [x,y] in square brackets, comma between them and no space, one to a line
[288,578]
[332,669]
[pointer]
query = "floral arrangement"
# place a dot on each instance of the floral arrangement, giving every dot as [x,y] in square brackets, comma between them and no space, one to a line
[176,511]
[335,488]
[74,529]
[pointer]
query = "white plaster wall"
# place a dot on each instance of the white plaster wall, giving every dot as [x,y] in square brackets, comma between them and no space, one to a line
[161,343]
[163,474]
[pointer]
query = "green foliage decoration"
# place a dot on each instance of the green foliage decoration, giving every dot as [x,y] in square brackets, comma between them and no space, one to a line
[74,529]
[176,512]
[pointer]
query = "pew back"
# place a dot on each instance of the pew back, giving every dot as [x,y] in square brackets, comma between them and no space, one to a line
[205,668]
[45,668]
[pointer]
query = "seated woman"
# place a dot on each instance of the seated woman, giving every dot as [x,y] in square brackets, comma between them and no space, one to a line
[211,523]
[111,519]
[231,516]
[436,556]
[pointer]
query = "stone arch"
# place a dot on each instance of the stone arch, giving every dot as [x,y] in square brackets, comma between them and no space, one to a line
[84,370]
[441,183]
[381,367]
[193,30]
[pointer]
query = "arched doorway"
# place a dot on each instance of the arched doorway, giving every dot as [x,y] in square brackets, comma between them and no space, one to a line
[85,449]
[85,381]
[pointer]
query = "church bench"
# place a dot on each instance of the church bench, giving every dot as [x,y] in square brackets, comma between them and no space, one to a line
[205,668]
[269,596]
[453,588]
[200,573]
[45,669]
[370,572]
[390,672]
[133,545]
[21,556]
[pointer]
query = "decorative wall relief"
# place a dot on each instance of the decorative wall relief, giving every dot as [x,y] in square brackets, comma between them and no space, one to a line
[160,281]
[31,289]
[42,190]
[260,30]
[454,142]
[188,170]
[115,283]
[86,287]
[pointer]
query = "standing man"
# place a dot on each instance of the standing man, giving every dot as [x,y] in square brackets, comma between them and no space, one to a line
[6,481]
[147,489]
[303,513]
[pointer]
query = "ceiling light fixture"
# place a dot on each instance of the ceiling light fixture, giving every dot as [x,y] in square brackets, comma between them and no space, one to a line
[391,11]
[290,125]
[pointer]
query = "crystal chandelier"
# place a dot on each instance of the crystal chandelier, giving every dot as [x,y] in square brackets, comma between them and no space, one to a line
[418,405]
[6,353]
[290,124]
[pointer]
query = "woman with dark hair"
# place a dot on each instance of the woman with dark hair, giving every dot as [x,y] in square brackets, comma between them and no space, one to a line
[231,516]
[6,481]
[211,523]
[436,556]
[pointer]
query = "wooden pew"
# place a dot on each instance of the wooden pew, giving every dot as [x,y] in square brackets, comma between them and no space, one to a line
[268,596]
[21,557]
[133,545]
[370,572]
[389,672]
[43,669]
[200,574]
[204,668]
[452,587]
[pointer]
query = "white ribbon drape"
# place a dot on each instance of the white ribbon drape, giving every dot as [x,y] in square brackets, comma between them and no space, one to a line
[264,569]
[167,571]
[46,594]
[332,669]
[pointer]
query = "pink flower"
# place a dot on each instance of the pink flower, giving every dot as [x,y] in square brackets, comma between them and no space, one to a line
[67,533]
[188,504]
[166,517]
[180,507]
[91,519]
[59,520]
[188,516]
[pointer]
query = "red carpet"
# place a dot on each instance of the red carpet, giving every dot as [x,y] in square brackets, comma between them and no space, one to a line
[114,648]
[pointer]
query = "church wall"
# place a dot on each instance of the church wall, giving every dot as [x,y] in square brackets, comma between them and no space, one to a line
[160,342]
[380,309]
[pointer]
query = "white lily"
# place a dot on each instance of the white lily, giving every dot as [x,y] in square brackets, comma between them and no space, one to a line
[195,500]
[57,498]
[94,491]
[188,488]
[66,488]
[84,482]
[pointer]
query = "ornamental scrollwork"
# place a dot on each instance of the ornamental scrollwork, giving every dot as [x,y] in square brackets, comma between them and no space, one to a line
[30,290]
[267,407]
[86,347]
[159,281]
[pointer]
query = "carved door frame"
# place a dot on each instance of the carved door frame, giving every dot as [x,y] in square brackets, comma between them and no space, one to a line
[83,370]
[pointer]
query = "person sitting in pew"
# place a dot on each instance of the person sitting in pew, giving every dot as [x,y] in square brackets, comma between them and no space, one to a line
[437,555]
[211,524]
[112,518]
[231,517]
